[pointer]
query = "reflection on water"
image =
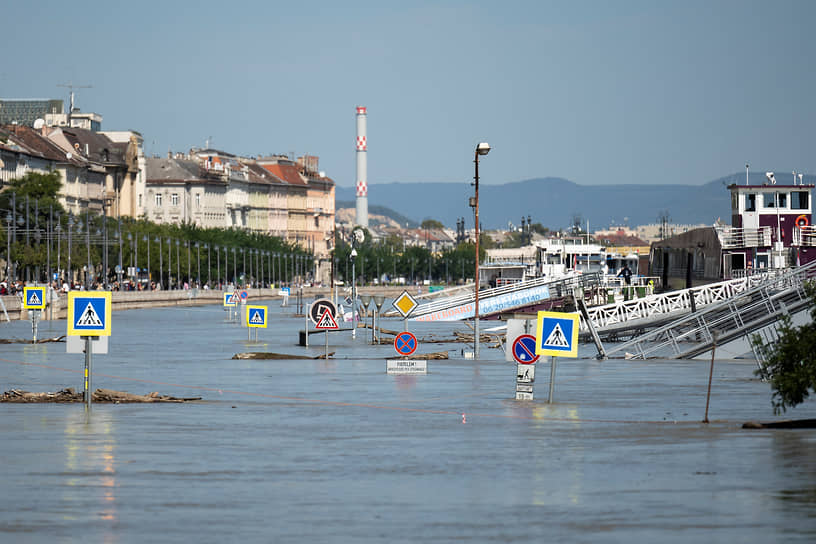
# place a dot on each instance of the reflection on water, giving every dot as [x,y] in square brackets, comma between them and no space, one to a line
[90,466]
[795,459]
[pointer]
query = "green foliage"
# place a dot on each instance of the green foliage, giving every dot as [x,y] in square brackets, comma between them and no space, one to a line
[432,224]
[790,363]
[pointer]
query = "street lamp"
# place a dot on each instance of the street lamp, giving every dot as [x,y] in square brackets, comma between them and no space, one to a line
[218,260]
[353,296]
[482,149]
[169,263]
[146,240]
[70,229]
[161,262]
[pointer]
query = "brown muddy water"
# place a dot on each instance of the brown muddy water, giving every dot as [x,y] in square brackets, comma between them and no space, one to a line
[339,451]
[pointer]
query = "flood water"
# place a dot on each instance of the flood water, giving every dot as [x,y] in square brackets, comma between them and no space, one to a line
[340,451]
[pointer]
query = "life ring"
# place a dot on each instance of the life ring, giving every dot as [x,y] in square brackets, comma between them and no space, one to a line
[802,221]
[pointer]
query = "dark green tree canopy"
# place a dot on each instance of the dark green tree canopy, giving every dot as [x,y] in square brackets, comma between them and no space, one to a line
[790,363]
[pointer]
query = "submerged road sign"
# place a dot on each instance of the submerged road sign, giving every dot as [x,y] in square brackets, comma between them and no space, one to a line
[326,321]
[34,298]
[557,334]
[256,316]
[405,343]
[230,299]
[89,314]
[524,349]
[405,304]
[319,307]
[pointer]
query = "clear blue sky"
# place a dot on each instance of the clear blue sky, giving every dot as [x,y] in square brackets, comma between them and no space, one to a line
[595,92]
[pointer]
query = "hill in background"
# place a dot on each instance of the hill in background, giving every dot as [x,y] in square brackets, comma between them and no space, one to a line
[554,202]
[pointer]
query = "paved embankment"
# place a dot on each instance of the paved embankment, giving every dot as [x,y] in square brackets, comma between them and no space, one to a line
[131,300]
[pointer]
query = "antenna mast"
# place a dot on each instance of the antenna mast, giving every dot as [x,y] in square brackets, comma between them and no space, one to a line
[71,86]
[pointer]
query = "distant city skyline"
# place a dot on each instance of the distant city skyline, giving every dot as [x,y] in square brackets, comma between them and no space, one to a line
[595,92]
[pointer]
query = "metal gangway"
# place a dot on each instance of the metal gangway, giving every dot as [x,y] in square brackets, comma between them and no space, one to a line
[729,321]
[636,315]
[507,297]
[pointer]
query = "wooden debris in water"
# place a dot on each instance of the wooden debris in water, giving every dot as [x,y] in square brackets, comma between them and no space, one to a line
[99,396]
[277,356]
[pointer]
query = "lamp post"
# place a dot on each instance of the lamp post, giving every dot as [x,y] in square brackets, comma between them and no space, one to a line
[88,247]
[146,240]
[9,221]
[198,261]
[170,263]
[218,261]
[482,149]
[70,229]
[161,262]
[119,236]
[234,266]
[178,263]
[353,296]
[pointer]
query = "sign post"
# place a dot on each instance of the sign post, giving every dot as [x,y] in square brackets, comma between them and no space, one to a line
[230,301]
[317,311]
[557,335]
[89,316]
[405,304]
[326,322]
[405,343]
[525,355]
[34,302]
[255,319]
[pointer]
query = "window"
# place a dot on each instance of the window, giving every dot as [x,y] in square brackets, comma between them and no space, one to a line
[799,200]
[769,199]
[198,200]
[158,200]
[174,199]
[750,202]
[140,201]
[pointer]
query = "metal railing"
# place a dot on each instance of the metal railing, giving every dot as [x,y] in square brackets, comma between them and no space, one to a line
[656,306]
[733,237]
[726,321]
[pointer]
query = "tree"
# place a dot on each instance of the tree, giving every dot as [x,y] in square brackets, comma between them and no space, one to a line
[432,224]
[790,362]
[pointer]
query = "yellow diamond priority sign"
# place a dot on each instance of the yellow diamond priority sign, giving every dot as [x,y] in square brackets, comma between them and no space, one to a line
[405,304]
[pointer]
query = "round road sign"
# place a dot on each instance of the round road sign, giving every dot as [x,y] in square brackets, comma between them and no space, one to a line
[405,343]
[524,349]
[244,295]
[319,307]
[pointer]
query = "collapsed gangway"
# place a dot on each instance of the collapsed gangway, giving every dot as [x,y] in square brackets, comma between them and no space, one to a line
[729,323]
[512,297]
[632,317]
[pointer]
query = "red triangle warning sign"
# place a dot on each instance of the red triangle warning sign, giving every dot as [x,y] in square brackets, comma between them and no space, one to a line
[326,321]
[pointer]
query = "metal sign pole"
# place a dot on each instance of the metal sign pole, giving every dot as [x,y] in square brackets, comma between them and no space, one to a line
[306,329]
[327,344]
[88,363]
[552,380]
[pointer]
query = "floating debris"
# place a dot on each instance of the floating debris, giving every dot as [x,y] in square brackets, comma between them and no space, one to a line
[99,395]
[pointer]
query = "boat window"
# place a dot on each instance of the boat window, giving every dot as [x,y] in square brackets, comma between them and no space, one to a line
[750,202]
[799,200]
[769,199]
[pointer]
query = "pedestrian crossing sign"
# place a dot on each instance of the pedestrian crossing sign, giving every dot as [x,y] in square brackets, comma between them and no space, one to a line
[34,298]
[557,334]
[256,316]
[230,299]
[89,314]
